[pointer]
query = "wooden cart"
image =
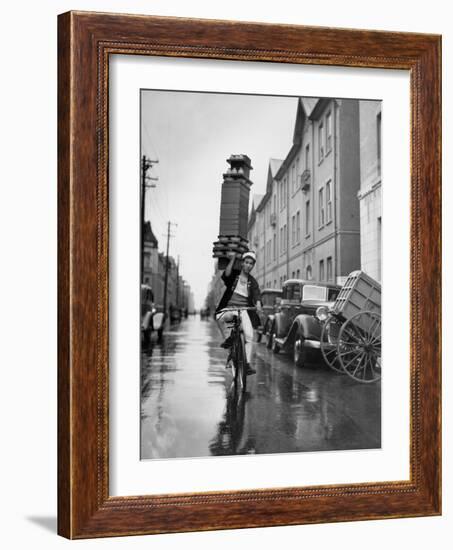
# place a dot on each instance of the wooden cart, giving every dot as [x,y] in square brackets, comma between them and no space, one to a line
[351,334]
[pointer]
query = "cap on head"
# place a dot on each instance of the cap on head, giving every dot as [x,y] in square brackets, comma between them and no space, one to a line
[250,255]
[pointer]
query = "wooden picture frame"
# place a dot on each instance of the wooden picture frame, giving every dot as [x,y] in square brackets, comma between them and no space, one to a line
[85,41]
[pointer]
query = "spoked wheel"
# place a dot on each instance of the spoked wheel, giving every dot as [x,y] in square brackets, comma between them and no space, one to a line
[329,341]
[238,364]
[299,353]
[359,347]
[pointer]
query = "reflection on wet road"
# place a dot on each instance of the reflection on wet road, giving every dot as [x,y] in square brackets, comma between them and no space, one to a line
[189,407]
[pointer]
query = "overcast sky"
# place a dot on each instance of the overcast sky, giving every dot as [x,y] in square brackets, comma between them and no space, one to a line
[192,134]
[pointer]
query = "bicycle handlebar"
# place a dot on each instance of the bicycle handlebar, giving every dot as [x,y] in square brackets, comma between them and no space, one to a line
[236,309]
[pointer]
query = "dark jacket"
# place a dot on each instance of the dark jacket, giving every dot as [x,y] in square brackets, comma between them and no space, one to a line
[254,294]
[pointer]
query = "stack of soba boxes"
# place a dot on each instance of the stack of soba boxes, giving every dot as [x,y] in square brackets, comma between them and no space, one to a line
[234,207]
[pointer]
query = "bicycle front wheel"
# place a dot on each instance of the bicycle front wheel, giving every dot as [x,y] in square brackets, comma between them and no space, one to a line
[241,363]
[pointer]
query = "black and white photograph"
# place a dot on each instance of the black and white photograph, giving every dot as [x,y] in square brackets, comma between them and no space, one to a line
[260,274]
[193,206]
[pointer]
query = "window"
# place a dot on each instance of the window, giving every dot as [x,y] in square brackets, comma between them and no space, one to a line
[329,268]
[307,157]
[307,218]
[275,204]
[328,132]
[314,292]
[298,227]
[275,283]
[281,241]
[321,270]
[328,202]
[320,141]
[275,247]
[293,230]
[378,136]
[298,274]
[291,292]
[332,295]
[293,178]
[293,275]
[308,273]
[285,237]
[321,207]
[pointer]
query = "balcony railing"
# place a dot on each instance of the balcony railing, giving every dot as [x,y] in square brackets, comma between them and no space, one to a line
[305,180]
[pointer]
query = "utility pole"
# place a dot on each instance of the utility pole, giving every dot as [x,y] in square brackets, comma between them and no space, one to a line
[146,164]
[177,283]
[169,224]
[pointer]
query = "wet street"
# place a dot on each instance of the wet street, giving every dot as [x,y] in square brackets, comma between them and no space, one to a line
[189,407]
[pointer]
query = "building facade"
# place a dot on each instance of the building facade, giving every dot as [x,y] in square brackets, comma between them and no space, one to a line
[370,188]
[150,257]
[307,225]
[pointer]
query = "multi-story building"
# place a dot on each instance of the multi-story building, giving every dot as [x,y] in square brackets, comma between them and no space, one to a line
[179,293]
[188,298]
[150,257]
[307,225]
[262,229]
[216,289]
[370,188]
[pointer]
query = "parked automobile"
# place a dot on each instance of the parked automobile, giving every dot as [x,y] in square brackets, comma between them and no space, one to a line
[295,328]
[151,318]
[205,312]
[270,299]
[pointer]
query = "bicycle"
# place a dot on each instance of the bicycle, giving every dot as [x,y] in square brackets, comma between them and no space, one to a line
[237,356]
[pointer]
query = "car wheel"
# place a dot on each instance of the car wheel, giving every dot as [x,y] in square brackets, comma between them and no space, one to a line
[299,354]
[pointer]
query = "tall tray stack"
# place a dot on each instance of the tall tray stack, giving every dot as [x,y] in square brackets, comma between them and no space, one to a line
[234,208]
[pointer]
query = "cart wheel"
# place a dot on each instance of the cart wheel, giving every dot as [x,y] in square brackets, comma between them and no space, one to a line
[329,340]
[359,347]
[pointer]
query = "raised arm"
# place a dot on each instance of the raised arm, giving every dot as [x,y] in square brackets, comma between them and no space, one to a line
[229,267]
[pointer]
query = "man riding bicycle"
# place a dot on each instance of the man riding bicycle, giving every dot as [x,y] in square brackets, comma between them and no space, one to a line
[242,290]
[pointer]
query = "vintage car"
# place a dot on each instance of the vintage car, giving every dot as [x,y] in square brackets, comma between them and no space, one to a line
[295,328]
[151,318]
[270,299]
